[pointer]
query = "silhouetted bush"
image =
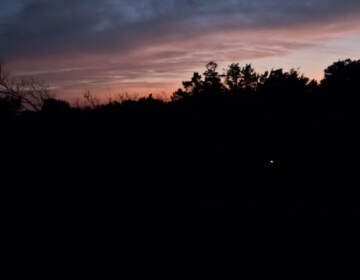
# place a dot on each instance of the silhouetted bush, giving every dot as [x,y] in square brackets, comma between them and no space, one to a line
[53,106]
[9,107]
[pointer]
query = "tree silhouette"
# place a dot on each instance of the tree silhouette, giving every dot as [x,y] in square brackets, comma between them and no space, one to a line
[192,87]
[241,79]
[276,85]
[283,86]
[233,76]
[28,93]
[341,81]
[212,79]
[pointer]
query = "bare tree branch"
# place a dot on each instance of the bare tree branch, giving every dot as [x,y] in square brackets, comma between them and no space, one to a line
[29,92]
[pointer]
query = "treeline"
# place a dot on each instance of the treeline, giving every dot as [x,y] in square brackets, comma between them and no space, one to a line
[339,86]
[273,142]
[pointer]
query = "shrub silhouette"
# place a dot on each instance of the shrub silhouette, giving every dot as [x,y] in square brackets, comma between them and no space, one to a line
[9,107]
[54,106]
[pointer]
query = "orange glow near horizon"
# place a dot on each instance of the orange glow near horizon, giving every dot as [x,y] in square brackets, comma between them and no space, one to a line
[160,67]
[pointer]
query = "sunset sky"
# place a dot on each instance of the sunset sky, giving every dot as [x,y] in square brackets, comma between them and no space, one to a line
[140,46]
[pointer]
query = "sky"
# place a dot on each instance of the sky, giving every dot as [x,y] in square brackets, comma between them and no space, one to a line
[116,47]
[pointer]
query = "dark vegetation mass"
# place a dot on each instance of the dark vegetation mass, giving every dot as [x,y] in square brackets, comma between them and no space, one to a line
[269,144]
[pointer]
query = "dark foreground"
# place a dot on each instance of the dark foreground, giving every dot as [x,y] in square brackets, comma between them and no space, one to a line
[88,166]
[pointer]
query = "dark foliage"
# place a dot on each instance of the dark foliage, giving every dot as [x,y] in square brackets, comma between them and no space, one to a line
[271,144]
